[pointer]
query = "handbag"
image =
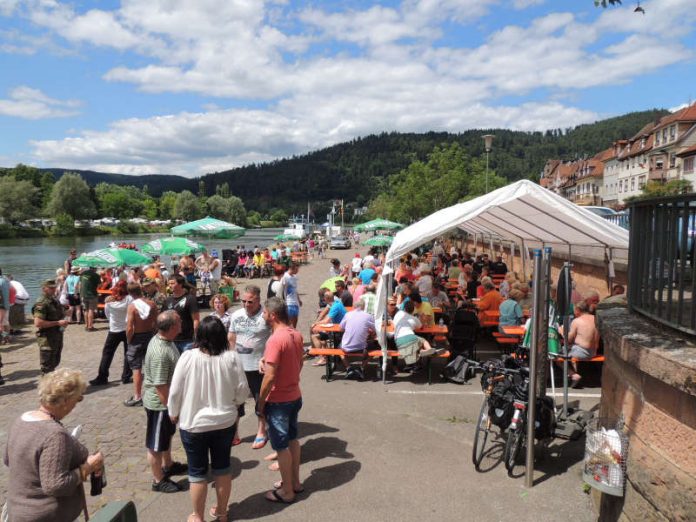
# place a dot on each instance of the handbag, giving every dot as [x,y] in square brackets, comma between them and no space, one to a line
[458,370]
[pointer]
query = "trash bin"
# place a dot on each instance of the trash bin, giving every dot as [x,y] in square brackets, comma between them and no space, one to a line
[228,291]
[606,451]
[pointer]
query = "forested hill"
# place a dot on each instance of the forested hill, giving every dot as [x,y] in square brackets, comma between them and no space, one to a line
[353,169]
[155,183]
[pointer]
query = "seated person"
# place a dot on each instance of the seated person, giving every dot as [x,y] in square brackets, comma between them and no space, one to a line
[490,300]
[439,298]
[507,283]
[592,300]
[423,310]
[367,272]
[618,296]
[335,269]
[332,313]
[425,282]
[358,326]
[527,298]
[510,311]
[454,270]
[583,339]
[343,293]
[410,346]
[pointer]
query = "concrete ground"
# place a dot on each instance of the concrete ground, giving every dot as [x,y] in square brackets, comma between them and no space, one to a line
[369,451]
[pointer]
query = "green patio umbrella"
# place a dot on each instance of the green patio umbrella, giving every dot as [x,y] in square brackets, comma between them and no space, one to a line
[378,224]
[380,241]
[330,283]
[285,237]
[209,227]
[112,257]
[169,246]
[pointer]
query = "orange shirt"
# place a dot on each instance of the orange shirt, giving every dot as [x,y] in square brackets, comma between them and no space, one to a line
[490,301]
[153,273]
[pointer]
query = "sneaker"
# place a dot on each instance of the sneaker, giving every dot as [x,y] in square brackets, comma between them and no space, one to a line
[427,352]
[133,402]
[166,485]
[98,382]
[177,468]
[126,381]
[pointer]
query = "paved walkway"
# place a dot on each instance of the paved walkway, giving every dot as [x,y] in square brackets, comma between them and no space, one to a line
[370,451]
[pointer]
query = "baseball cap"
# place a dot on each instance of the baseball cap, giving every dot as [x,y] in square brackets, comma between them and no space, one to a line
[148,281]
[49,282]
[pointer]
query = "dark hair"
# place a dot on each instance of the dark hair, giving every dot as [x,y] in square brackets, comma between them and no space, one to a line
[276,306]
[135,290]
[180,280]
[416,297]
[409,307]
[211,336]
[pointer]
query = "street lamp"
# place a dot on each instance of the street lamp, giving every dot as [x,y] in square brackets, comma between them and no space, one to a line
[487,143]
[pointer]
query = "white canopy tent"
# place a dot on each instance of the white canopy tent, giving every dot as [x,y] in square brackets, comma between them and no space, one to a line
[524,213]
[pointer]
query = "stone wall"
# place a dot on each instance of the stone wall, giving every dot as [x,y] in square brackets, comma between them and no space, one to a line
[649,378]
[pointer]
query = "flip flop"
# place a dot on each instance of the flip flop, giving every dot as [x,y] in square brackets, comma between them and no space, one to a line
[279,484]
[259,442]
[320,362]
[275,497]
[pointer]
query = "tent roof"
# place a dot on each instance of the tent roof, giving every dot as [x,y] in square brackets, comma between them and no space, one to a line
[521,211]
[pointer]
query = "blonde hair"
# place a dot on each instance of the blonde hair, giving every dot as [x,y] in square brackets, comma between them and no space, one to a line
[223,299]
[61,385]
[515,294]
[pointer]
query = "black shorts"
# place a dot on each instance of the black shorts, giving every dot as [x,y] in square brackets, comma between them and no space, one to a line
[160,430]
[135,353]
[74,299]
[254,379]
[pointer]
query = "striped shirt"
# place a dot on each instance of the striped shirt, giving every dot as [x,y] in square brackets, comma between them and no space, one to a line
[370,301]
[158,369]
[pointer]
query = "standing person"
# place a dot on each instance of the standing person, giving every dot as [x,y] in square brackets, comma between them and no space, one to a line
[158,369]
[4,308]
[248,333]
[73,287]
[221,309]
[215,272]
[49,319]
[141,323]
[207,388]
[152,292]
[89,282]
[274,284]
[290,293]
[115,309]
[67,266]
[47,464]
[280,400]
[186,306]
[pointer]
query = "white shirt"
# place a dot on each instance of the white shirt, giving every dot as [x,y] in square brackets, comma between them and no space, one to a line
[116,313]
[206,390]
[356,264]
[251,336]
[405,324]
[216,269]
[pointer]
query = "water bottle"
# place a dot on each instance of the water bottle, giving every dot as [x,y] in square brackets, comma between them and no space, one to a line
[441,322]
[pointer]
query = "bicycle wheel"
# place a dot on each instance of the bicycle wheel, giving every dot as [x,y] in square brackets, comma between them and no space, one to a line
[481,435]
[513,445]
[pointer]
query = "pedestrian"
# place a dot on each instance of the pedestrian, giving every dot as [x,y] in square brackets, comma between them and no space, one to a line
[89,282]
[49,319]
[290,293]
[186,306]
[207,388]
[248,333]
[4,309]
[73,289]
[141,323]
[158,369]
[115,309]
[280,399]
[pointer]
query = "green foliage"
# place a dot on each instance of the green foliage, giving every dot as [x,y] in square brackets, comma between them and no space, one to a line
[187,207]
[229,209]
[120,202]
[279,216]
[16,199]
[149,210]
[166,205]
[253,218]
[656,189]
[127,227]
[65,225]
[604,3]
[71,196]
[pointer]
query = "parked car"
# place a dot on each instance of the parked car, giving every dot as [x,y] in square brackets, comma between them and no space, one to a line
[339,242]
[601,211]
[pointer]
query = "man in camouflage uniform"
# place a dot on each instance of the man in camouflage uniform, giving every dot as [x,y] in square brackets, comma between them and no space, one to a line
[49,319]
[151,291]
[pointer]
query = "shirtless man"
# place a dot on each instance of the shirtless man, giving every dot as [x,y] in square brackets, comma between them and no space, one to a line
[583,338]
[141,325]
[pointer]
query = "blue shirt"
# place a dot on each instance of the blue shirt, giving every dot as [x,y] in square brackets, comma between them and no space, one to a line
[365,275]
[510,313]
[337,311]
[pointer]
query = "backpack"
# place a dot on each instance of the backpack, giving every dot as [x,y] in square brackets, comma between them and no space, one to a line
[458,370]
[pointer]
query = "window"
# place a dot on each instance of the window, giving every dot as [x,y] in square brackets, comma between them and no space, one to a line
[657,138]
[642,143]
[688,165]
[633,184]
[672,132]
[659,163]
[641,182]
[664,135]
[672,161]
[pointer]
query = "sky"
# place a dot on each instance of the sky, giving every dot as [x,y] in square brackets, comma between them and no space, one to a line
[189,87]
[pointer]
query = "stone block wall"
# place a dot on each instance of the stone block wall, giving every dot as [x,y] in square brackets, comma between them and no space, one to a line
[649,378]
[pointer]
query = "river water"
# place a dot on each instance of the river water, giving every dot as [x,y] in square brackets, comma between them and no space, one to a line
[32,260]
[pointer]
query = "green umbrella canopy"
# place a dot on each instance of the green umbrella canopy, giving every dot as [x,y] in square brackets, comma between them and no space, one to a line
[112,257]
[285,237]
[169,246]
[378,224]
[330,283]
[210,227]
[379,241]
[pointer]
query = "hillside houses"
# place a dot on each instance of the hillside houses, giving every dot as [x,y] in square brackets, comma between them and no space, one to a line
[662,151]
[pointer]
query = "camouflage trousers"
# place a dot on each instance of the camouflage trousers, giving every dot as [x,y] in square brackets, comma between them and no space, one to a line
[50,350]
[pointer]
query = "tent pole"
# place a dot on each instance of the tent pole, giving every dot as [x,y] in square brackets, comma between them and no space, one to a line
[523,255]
[512,256]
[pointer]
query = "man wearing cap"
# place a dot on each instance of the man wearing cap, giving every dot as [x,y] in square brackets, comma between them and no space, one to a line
[49,319]
[151,291]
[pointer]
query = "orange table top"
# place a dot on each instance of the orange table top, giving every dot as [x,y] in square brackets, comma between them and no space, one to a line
[514,330]
[435,329]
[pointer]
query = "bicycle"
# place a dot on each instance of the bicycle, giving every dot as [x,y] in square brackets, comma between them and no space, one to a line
[496,381]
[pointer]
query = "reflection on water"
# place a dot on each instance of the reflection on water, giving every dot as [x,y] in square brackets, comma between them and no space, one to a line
[32,260]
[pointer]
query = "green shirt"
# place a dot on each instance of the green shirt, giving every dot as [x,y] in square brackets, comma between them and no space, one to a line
[48,309]
[158,369]
[89,282]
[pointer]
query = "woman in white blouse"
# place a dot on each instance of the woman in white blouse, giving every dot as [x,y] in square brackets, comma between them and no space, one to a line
[207,387]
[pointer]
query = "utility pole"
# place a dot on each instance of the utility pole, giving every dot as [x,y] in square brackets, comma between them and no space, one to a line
[487,143]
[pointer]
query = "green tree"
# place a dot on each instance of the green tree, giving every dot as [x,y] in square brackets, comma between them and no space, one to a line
[279,216]
[477,184]
[65,225]
[149,208]
[16,199]
[656,189]
[46,186]
[238,214]
[119,201]
[166,204]
[70,195]
[253,218]
[187,206]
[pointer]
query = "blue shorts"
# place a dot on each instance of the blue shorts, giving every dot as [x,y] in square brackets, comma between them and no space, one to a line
[197,446]
[281,418]
[293,311]
[182,346]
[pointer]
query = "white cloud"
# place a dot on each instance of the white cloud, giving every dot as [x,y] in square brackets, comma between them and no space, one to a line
[524,4]
[32,104]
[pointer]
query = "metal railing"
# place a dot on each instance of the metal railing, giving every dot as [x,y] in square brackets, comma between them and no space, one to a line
[662,260]
[621,219]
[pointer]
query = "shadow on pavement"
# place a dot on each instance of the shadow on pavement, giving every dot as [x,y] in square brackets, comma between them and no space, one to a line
[559,458]
[321,447]
[321,479]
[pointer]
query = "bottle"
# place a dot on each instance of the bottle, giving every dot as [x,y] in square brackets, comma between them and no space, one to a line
[441,322]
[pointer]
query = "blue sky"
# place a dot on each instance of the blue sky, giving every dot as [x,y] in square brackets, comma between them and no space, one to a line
[194,86]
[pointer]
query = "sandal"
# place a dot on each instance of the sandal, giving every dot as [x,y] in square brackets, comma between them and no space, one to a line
[217,516]
[259,442]
[320,362]
[274,496]
[279,484]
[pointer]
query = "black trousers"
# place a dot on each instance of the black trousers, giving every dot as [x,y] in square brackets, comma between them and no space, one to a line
[113,339]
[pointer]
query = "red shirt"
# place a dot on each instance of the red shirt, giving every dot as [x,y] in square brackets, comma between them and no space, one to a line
[284,350]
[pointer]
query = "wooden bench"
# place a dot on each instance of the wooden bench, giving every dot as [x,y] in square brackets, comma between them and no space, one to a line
[595,359]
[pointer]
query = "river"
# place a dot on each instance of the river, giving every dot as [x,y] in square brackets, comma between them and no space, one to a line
[31,260]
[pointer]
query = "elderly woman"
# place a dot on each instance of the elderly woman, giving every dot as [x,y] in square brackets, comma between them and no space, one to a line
[47,465]
[510,310]
[507,283]
[207,387]
[221,306]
